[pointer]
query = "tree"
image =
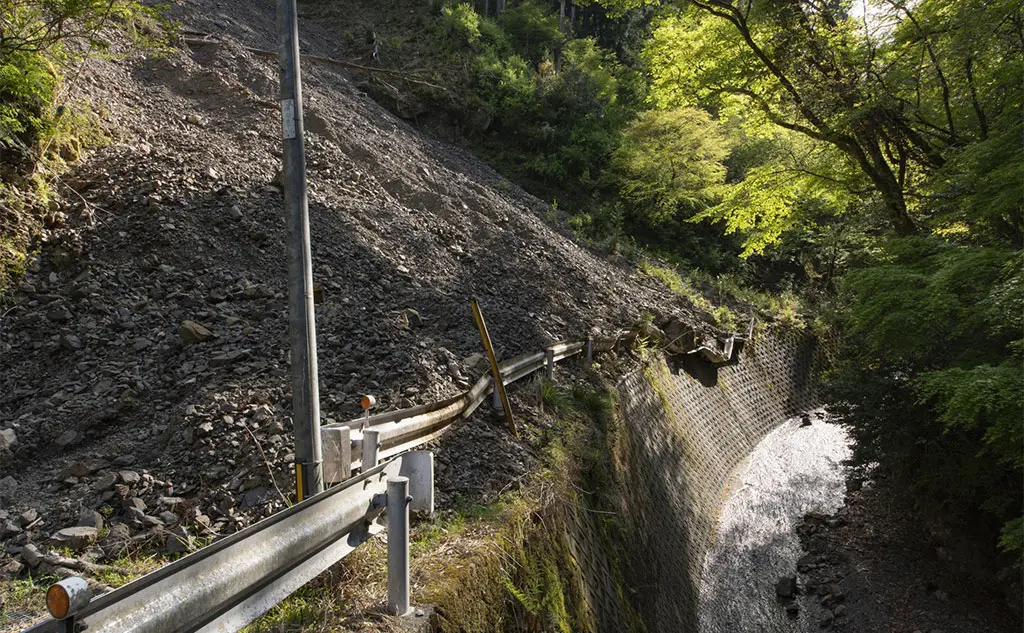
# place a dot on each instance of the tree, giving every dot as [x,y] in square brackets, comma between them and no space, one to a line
[670,162]
[885,98]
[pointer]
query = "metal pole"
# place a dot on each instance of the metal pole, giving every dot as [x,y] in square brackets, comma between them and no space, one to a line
[301,317]
[590,350]
[398,545]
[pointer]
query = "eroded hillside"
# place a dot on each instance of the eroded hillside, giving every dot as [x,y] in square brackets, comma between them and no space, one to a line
[113,403]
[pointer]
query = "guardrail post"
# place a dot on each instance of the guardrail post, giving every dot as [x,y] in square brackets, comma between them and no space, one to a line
[371,443]
[549,364]
[337,452]
[398,545]
[590,350]
[495,397]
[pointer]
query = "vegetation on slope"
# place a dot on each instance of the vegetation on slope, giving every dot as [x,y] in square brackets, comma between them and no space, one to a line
[43,128]
[864,155]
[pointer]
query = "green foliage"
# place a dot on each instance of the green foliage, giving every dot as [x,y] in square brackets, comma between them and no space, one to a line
[42,128]
[930,383]
[533,28]
[23,595]
[669,277]
[34,46]
[552,398]
[460,25]
[670,162]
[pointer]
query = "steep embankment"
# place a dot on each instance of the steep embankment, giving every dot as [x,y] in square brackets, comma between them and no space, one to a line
[179,219]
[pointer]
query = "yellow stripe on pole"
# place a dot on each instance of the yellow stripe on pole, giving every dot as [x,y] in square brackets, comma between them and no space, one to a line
[298,482]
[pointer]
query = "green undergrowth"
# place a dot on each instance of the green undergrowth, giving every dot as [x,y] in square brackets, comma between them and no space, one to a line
[44,126]
[502,566]
[727,299]
[521,575]
[23,597]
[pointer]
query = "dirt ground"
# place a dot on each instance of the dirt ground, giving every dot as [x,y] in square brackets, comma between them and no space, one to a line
[877,559]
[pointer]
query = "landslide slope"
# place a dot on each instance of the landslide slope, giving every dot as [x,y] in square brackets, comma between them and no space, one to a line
[179,219]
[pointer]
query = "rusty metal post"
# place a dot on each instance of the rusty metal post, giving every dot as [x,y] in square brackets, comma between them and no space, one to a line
[499,384]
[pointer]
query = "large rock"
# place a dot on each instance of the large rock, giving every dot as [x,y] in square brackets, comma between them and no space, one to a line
[8,438]
[116,540]
[76,538]
[85,467]
[31,555]
[192,332]
[8,485]
[67,438]
[91,518]
[785,588]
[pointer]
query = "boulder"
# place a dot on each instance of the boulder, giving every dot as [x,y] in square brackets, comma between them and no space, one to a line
[785,588]
[91,518]
[8,438]
[76,538]
[192,333]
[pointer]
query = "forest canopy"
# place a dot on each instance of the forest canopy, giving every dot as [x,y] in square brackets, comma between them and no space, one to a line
[867,154]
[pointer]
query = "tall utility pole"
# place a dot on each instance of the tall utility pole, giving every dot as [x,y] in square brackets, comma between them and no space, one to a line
[309,478]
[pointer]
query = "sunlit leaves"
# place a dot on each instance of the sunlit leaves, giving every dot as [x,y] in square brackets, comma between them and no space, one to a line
[670,162]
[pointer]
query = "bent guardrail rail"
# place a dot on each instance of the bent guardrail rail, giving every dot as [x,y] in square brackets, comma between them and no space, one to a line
[350,445]
[230,583]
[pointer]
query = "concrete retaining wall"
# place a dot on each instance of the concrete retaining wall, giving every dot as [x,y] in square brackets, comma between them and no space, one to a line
[686,428]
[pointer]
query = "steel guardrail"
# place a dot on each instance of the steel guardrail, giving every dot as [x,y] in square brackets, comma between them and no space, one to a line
[394,432]
[228,584]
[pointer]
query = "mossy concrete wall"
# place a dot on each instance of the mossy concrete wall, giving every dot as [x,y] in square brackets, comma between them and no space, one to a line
[686,429]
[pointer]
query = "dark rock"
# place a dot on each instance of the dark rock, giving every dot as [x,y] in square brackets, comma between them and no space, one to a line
[105,481]
[785,588]
[59,315]
[70,342]
[75,538]
[192,333]
[85,467]
[116,540]
[28,516]
[8,486]
[67,438]
[9,528]
[31,555]
[91,518]
[176,541]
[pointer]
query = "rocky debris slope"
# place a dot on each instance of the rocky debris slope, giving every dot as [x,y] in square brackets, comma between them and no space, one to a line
[875,568]
[145,395]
